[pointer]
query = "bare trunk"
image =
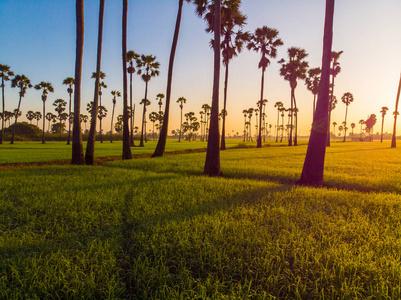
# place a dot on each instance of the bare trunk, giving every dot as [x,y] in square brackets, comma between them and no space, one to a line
[212,163]
[223,130]
[44,122]
[259,143]
[292,117]
[345,123]
[393,139]
[69,121]
[312,172]
[126,142]
[143,135]
[296,121]
[16,117]
[111,126]
[3,107]
[90,147]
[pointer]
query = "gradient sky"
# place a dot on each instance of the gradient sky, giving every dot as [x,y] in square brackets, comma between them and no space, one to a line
[38,40]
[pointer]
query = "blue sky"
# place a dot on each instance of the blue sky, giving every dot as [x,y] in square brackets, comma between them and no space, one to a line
[38,40]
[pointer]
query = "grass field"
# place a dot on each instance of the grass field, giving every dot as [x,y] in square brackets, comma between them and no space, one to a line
[159,229]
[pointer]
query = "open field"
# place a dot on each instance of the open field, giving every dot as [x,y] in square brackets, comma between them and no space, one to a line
[159,229]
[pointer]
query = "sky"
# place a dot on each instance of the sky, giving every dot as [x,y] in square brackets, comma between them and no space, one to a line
[38,40]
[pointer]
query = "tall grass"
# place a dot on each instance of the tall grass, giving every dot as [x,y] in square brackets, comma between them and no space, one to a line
[159,229]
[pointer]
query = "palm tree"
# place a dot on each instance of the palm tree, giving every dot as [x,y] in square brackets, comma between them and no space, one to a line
[38,117]
[279,105]
[5,74]
[131,56]
[77,148]
[293,70]
[23,83]
[335,69]
[340,128]
[347,99]
[30,115]
[49,118]
[334,126]
[263,113]
[153,117]
[383,112]
[46,87]
[212,162]
[312,172]
[115,95]
[161,144]
[352,132]
[101,113]
[250,114]
[361,122]
[90,146]
[84,118]
[148,65]
[70,82]
[370,122]
[60,105]
[160,97]
[312,84]
[189,116]
[245,112]
[393,138]
[206,109]
[265,40]
[181,101]
[145,103]
[101,85]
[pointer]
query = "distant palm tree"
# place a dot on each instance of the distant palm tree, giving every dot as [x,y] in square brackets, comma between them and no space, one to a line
[279,105]
[77,147]
[145,103]
[115,95]
[312,84]
[90,146]
[60,105]
[153,117]
[335,69]
[181,101]
[131,56]
[383,112]
[245,112]
[23,83]
[160,115]
[84,118]
[49,117]
[340,128]
[206,108]
[38,117]
[101,85]
[30,115]
[70,82]
[293,70]
[250,114]
[352,132]
[347,99]
[5,74]
[334,126]
[361,122]
[148,65]
[265,40]
[46,87]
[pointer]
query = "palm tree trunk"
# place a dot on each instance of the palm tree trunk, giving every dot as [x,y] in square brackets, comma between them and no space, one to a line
[61,124]
[393,139]
[90,147]
[16,117]
[111,126]
[259,141]
[100,119]
[312,172]
[381,135]
[161,144]
[130,103]
[3,107]
[292,117]
[296,121]
[143,115]
[179,137]
[69,121]
[126,134]
[44,122]
[345,123]
[212,163]
[223,130]
[329,109]
[278,120]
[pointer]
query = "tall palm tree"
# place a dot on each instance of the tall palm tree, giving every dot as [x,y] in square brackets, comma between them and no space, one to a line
[115,95]
[77,148]
[212,162]
[335,69]
[70,82]
[90,146]
[312,172]
[279,105]
[393,138]
[347,99]
[312,84]
[131,56]
[126,134]
[46,87]
[383,112]
[250,114]
[161,144]
[145,103]
[245,112]
[23,83]
[265,40]
[5,74]
[181,101]
[293,70]
[352,132]
[263,113]
[334,131]
[148,65]
[206,108]
[101,85]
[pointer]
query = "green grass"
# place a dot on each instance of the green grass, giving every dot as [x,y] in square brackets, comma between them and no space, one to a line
[159,229]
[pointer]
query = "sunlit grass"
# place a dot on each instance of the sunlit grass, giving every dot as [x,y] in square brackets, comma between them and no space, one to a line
[159,229]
